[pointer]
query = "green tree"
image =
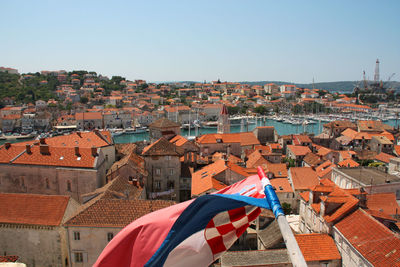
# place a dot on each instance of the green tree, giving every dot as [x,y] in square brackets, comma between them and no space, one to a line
[287,208]
[84,100]
[261,110]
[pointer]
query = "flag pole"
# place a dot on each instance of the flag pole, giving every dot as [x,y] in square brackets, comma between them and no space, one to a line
[295,254]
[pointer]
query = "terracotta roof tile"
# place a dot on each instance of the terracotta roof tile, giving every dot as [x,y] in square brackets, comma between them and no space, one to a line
[58,156]
[81,139]
[317,247]
[245,139]
[116,212]
[32,209]
[89,116]
[303,177]
[8,258]
[278,169]
[178,140]
[255,159]
[161,147]
[385,202]
[281,185]
[9,152]
[203,180]
[384,157]
[299,150]
[163,123]
[375,242]
[312,159]
[348,163]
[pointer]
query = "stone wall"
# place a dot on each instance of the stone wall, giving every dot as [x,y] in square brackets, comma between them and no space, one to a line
[35,245]
[50,180]
[91,243]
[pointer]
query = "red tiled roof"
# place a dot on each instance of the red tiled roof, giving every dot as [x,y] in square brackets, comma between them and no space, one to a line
[317,247]
[7,154]
[255,159]
[81,139]
[384,157]
[324,168]
[278,169]
[163,123]
[303,177]
[281,185]
[348,163]
[32,209]
[245,139]
[89,116]
[385,202]
[8,258]
[58,156]
[116,212]
[203,180]
[161,147]
[299,150]
[178,140]
[375,242]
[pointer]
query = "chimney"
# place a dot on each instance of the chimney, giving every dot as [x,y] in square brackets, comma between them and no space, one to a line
[322,209]
[42,141]
[44,149]
[7,145]
[77,151]
[94,151]
[28,149]
[133,181]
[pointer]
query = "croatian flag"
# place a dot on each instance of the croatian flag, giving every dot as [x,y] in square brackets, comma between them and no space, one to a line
[191,233]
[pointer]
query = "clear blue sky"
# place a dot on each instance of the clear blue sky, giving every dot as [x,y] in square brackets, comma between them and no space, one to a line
[204,40]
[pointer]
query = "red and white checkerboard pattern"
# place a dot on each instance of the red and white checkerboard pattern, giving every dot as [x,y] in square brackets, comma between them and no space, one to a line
[226,227]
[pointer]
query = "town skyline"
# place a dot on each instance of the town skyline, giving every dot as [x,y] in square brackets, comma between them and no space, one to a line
[179,41]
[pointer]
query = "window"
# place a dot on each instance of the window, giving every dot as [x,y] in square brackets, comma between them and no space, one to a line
[110,236]
[158,171]
[168,157]
[69,186]
[77,236]
[22,181]
[47,183]
[158,184]
[171,171]
[171,184]
[78,257]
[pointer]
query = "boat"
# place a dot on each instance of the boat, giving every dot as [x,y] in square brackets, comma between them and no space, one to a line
[135,130]
[210,124]
[17,136]
[116,132]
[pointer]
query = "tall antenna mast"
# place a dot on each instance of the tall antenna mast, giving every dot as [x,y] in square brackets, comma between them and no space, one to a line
[376,76]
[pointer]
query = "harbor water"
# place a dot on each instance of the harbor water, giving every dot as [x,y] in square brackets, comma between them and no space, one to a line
[281,127]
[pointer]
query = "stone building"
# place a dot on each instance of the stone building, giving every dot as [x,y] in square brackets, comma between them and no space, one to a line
[100,221]
[162,163]
[163,128]
[381,144]
[55,166]
[369,179]
[236,143]
[323,205]
[224,125]
[31,227]
[364,241]
[266,134]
